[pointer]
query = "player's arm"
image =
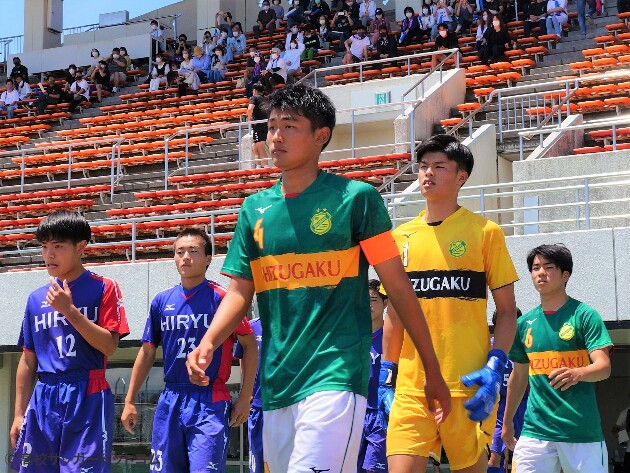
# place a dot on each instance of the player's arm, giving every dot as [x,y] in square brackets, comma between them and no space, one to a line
[517,384]
[393,336]
[229,315]
[25,377]
[505,327]
[139,372]
[563,378]
[249,366]
[403,299]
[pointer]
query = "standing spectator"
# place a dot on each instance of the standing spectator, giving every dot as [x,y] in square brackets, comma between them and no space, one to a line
[208,43]
[80,90]
[125,55]
[375,27]
[255,74]
[317,8]
[223,21]
[323,31]
[158,42]
[117,67]
[257,111]
[582,18]
[483,24]
[445,40]
[464,12]
[556,16]
[621,430]
[275,6]
[266,20]
[158,74]
[95,59]
[181,46]
[276,71]
[537,17]
[22,87]
[294,33]
[100,77]
[295,15]
[367,12]
[311,45]
[236,44]
[357,47]
[218,65]
[426,21]
[341,28]
[18,68]
[410,28]
[386,44]
[49,94]
[443,13]
[201,63]
[9,99]
[497,41]
[292,58]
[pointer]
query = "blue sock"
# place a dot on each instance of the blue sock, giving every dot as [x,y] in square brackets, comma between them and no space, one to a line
[494,469]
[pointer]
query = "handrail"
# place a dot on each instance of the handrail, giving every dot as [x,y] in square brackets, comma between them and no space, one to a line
[433,69]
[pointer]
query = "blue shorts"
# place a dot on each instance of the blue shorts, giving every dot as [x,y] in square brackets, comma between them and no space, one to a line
[497,444]
[190,432]
[68,425]
[255,437]
[372,453]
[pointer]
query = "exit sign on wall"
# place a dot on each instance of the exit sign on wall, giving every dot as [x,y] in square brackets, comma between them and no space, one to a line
[382,98]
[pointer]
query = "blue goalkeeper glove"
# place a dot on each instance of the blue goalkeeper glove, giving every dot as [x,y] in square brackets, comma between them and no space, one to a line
[386,385]
[489,379]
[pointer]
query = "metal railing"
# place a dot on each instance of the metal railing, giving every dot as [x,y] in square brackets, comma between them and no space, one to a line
[448,55]
[11,45]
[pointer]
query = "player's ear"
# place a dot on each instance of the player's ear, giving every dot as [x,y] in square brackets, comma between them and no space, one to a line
[462,178]
[81,247]
[322,135]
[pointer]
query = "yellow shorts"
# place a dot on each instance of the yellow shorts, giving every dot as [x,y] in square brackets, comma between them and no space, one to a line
[413,431]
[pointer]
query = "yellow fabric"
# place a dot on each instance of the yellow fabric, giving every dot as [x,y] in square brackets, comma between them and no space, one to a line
[451,266]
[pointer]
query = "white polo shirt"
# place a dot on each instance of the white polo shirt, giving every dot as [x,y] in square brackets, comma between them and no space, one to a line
[358,45]
[10,97]
[82,84]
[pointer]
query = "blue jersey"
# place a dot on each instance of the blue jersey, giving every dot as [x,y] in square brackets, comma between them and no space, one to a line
[178,319]
[375,355]
[238,353]
[59,347]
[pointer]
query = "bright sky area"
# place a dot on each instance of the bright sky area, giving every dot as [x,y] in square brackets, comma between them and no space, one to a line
[75,12]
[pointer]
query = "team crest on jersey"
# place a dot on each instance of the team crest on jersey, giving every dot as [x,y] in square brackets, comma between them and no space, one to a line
[567,332]
[321,222]
[457,248]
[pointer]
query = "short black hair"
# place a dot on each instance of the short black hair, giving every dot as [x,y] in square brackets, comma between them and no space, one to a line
[259,87]
[196,232]
[557,254]
[409,9]
[154,22]
[452,148]
[63,225]
[9,81]
[494,315]
[443,25]
[375,285]
[308,102]
[115,49]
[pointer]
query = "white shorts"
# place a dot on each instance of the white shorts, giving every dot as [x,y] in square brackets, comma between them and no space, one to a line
[540,456]
[320,433]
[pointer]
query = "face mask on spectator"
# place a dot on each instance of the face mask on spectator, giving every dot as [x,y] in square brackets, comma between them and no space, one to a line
[223,35]
[256,59]
[408,14]
[425,11]
[235,33]
[94,54]
[274,56]
[443,33]
[158,59]
[322,22]
[72,71]
[115,56]
[153,27]
[361,34]
[293,45]
[496,23]
[379,16]
[266,7]
[102,66]
[485,18]
[294,30]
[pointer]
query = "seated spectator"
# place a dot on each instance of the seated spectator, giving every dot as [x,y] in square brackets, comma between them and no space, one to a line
[294,33]
[292,58]
[158,74]
[218,65]
[276,70]
[18,68]
[223,21]
[80,91]
[426,22]
[172,76]
[352,7]
[9,99]
[100,78]
[493,5]
[295,15]
[117,67]
[222,40]
[48,93]
[445,40]
[341,28]
[266,21]
[253,72]
[410,28]
[375,27]
[257,111]
[181,46]
[208,42]
[236,44]
[367,12]
[536,16]
[508,9]
[158,42]
[201,63]
[442,13]
[125,55]
[556,16]
[357,47]
[386,44]
[188,79]
[322,32]
[483,24]
[311,45]
[22,87]
[495,42]
[316,8]
[95,59]
[464,10]
[275,6]
[69,79]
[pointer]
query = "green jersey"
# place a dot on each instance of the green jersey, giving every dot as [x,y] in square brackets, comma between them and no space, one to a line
[550,341]
[304,256]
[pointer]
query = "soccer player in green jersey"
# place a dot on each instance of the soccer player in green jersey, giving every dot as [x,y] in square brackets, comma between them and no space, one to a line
[304,247]
[562,347]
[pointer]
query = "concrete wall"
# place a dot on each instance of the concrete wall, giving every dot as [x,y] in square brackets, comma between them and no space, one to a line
[561,144]
[36,34]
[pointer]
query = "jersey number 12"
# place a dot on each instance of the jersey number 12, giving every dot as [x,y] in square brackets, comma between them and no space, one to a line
[70,341]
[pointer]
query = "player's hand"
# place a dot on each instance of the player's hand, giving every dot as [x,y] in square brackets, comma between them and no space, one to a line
[507,434]
[386,386]
[14,433]
[197,362]
[563,378]
[437,392]
[489,379]
[240,410]
[129,417]
[59,298]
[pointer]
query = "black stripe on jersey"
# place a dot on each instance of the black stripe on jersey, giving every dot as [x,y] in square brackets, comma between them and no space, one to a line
[458,283]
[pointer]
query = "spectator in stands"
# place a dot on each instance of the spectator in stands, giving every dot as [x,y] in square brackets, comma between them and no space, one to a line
[125,55]
[48,93]
[386,44]
[117,67]
[357,47]
[445,40]
[275,6]
[582,18]
[410,28]
[22,87]
[188,78]
[80,91]
[295,15]
[9,99]
[100,78]
[18,68]
[323,31]
[294,33]
[172,76]
[158,42]
[236,43]
[223,21]
[66,96]
[182,45]
[493,5]
[276,70]
[95,55]
[367,12]
[375,26]
[158,74]
[208,43]
[292,58]
[427,22]
[464,10]
[483,23]
[443,13]
[556,16]
[537,16]
[221,41]
[341,28]
[218,65]
[201,63]
[266,21]
[352,7]
[316,8]
[258,111]
[311,45]
[495,41]
[253,72]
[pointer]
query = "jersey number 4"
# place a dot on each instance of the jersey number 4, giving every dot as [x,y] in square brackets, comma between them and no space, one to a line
[66,349]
